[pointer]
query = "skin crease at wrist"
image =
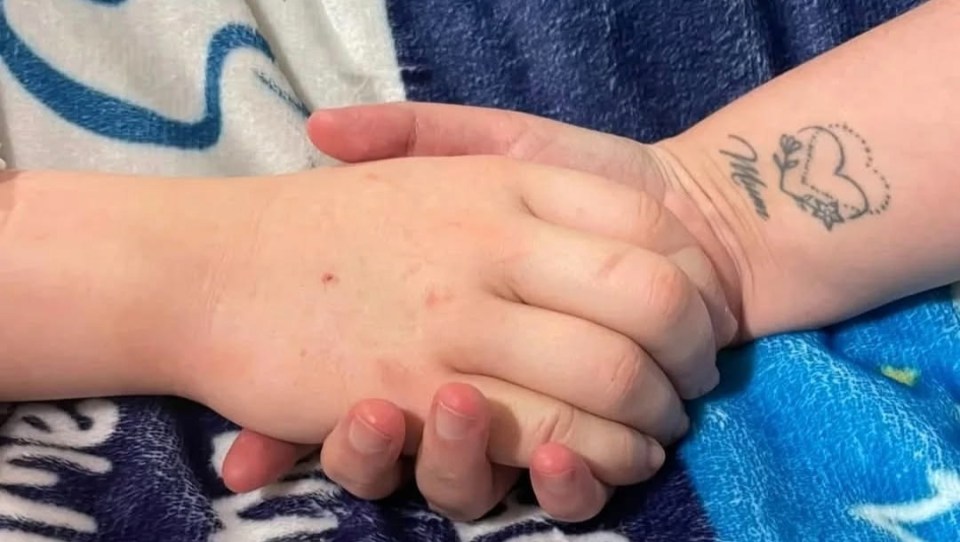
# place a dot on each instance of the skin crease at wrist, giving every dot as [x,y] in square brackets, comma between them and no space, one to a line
[692,204]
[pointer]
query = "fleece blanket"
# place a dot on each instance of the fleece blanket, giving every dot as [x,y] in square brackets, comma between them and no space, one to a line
[846,433]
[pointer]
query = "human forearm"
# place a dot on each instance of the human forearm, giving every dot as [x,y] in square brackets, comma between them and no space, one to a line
[834,185]
[88,264]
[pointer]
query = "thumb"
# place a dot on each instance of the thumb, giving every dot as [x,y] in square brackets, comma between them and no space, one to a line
[377,132]
[255,460]
[395,130]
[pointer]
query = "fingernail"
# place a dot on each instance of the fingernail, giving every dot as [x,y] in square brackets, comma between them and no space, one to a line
[657,456]
[365,439]
[558,484]
[451,425]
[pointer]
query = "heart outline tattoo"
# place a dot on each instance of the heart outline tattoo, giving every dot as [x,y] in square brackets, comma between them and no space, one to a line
[829,172]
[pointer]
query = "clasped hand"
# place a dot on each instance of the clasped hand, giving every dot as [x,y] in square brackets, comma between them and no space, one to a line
[474,315]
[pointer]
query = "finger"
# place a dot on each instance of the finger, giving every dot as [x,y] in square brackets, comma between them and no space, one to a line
[564,486]
[374,132]
[377,132]
[521,420]
[573,360]
[256,460]
[609,209]
[453,472]
[362,454]
[638,293]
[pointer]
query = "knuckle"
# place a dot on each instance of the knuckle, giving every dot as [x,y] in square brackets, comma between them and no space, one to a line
[650,213]
[624,377]
[559,425]
[668,294]
[643,220]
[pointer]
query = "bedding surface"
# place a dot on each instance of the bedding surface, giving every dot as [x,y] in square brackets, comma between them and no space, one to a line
[846,433]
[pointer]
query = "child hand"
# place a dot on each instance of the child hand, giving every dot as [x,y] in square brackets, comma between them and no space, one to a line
[410,129]
[528,282]
[444,130]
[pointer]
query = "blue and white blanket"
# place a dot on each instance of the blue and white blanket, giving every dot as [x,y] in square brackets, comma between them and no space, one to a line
[848,433]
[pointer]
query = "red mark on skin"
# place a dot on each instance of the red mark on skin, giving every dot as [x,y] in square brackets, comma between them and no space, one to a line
[434,299]
[329,279]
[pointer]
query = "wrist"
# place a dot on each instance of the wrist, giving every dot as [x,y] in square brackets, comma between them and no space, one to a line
[83,286]
[787,279]
[205,255]
[722,191]
[689,195]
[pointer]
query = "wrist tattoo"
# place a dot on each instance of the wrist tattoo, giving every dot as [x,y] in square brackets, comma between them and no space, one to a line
[744,172]
[828,171]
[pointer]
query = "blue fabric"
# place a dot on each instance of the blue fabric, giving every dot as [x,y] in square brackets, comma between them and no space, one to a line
[641,69]
[833,434]
[808,438]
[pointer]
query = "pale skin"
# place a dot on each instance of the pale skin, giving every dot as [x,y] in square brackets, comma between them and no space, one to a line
[894,88]
[279,302]
[787,270]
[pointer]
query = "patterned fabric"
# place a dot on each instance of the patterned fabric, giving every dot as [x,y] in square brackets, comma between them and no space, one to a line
[847,433]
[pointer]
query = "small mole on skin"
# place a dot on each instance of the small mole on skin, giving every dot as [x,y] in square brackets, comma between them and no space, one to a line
[328,279]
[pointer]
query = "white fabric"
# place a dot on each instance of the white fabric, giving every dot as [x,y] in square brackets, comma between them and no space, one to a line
[154,54]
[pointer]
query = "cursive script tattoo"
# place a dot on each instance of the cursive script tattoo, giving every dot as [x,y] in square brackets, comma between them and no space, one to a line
[830,173]
[744,172]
